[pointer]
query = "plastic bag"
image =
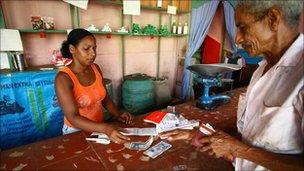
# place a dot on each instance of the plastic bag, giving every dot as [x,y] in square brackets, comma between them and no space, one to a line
[162,91]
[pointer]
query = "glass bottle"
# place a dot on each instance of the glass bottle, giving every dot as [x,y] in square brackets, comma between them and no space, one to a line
[173,28]
[185,29]
[179,28]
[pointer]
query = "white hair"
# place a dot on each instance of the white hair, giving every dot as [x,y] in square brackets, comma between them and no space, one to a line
[291,8]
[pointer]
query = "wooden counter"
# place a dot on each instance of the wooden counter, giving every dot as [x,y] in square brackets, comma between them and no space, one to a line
[73,152]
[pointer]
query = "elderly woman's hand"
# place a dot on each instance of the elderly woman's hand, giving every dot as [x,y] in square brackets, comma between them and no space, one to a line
[223,145]
[177,135]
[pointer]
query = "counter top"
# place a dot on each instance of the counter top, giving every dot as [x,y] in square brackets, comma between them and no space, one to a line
[72,151]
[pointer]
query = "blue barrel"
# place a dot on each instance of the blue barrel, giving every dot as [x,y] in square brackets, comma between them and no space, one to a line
[138,93]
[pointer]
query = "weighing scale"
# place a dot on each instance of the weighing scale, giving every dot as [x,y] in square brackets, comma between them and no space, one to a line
[210,75]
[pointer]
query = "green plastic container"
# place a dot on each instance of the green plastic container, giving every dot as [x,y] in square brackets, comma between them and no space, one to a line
[109,88]
[138,93]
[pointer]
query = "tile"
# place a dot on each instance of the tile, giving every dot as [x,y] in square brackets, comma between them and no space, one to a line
[159,163]
[60,148]
[84,161]
[180,156]
[117,157]
[190,159]
[18,158]
[205,162]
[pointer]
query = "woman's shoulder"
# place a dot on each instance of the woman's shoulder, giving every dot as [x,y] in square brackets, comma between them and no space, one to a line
[63,78]
[98,68]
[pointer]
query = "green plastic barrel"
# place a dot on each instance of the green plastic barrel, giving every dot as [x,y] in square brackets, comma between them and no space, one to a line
[138,93]
[109,88]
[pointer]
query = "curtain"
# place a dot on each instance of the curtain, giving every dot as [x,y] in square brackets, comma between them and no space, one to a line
[230,24]
[198,3]
[200,23]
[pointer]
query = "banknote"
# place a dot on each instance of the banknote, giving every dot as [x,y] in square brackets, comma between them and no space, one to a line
[158,149]
[204,130]
[140,145]
[140,131]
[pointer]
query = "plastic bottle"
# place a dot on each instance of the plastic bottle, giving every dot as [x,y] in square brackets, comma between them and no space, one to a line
[179,28]
[173,28]
[185,29]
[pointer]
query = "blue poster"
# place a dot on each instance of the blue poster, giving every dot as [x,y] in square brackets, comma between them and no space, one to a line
[29,110]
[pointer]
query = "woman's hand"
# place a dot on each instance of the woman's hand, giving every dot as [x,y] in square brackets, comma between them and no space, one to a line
[126,118]
[115,135]
[223,145]
[177,135]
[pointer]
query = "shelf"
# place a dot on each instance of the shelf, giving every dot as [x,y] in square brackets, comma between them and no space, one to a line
[179,35]
[109,2]
[100,32]
[38,31]
[109,33]
[170,35]
[131,34]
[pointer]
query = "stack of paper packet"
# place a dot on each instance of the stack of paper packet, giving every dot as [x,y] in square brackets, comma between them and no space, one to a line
[169,121]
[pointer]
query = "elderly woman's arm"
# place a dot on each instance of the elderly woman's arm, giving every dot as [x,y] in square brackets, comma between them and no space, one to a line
[223,145]
[228,147]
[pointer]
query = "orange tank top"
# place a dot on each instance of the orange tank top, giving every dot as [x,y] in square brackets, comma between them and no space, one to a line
[88,98]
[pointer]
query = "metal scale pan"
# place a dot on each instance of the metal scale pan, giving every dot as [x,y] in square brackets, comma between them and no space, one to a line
[209,76]
[213,70]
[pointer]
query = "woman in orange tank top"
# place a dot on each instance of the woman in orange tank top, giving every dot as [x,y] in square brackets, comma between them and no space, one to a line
[81,92]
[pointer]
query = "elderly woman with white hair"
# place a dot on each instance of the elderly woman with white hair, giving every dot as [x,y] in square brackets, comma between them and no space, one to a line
[270,115]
